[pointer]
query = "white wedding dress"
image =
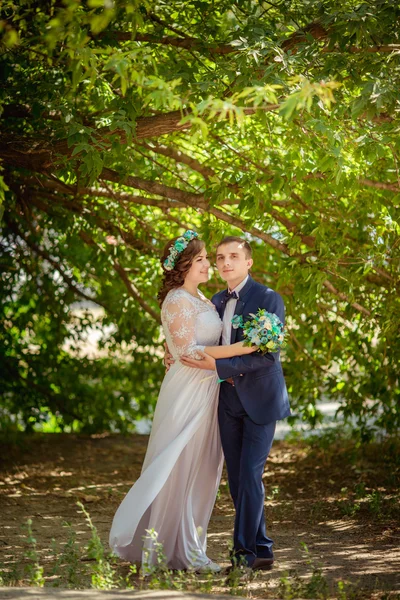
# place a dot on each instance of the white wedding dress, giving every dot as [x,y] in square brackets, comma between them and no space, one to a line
[175,493]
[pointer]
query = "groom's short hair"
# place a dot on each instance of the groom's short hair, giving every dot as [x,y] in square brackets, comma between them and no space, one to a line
[235,238]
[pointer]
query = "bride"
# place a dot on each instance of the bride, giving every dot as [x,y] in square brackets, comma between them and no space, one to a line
[170,505]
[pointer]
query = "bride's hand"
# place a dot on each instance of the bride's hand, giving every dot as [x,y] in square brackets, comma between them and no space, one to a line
[245,349]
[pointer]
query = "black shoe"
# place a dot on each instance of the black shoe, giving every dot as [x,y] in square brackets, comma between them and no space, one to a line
[262,564]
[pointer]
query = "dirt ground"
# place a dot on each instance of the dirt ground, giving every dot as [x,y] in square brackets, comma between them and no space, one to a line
[340,500]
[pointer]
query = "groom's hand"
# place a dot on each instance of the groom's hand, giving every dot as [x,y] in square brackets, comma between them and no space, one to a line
[207,362]
[168,361]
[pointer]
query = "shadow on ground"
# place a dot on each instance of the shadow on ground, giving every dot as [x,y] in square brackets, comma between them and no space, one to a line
[339,501]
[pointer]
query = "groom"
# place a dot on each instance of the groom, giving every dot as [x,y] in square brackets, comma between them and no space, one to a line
[252,398]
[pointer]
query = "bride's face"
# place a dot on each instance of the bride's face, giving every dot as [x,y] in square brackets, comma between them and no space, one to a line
[198,272]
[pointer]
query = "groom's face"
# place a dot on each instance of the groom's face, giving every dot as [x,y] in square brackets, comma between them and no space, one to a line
[233,264]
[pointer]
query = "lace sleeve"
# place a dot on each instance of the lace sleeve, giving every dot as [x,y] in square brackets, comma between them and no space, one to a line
[180,318]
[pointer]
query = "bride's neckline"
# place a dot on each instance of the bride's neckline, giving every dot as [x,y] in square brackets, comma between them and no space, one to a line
[202,298]
[190,293]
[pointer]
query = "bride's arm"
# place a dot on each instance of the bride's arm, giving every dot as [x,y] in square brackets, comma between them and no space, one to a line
[180,321]
[229,351]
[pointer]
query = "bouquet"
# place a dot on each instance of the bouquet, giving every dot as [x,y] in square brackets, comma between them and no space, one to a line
[262,329]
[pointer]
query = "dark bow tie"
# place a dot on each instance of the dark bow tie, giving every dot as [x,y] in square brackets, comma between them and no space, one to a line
[228,295]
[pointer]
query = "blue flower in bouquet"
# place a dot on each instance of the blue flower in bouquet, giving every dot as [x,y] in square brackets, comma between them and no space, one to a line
[237,321]
[262,329]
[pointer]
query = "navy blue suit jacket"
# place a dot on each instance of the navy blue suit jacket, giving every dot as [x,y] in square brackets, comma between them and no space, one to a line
[258,378]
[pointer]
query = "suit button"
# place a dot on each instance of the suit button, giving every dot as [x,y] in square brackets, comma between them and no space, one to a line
[241,374]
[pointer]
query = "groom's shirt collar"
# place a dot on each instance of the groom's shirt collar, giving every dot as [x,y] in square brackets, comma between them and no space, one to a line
[240,286]
[230,308]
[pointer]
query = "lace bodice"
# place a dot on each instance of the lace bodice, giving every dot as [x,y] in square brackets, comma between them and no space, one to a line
[189,323]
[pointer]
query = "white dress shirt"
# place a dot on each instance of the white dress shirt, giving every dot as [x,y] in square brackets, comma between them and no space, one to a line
[229,312]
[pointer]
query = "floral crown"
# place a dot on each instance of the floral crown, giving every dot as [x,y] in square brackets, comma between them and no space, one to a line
[179,246]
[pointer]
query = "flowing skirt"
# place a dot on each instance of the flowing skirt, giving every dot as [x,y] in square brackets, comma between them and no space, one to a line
[165,514]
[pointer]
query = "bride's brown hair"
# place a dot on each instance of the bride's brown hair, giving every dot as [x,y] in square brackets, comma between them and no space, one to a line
[176,277]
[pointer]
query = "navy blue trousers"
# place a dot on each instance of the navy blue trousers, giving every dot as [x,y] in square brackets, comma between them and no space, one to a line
[246,447]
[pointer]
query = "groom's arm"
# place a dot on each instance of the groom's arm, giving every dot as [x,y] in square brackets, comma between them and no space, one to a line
[240,365]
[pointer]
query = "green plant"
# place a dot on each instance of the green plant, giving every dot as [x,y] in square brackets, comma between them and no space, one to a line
[33,569]
[348,508]
[273,493]
[10,577]
[291,585]
[315,585]
[155,570]
[68,564]
[360,490]
[374,501]
[239,577]
[156,574]
[346,591]
[318,508]
[102,572]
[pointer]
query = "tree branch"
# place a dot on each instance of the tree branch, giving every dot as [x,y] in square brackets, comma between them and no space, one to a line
[343,297]
[385,48]
[315,30]
[180,157]
[105,225]
[40,155]
[132,291]
[391,187]
[187,43]
[198,201]
[153,187]
[101,192]
[46,256]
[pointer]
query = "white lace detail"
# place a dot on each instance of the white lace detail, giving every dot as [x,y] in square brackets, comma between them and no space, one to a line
[189,323]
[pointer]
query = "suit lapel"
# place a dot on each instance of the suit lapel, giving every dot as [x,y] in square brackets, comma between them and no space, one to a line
[238,311]
[240,304]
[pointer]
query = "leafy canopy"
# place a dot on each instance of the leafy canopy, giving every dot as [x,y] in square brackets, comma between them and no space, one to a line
[125,122]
